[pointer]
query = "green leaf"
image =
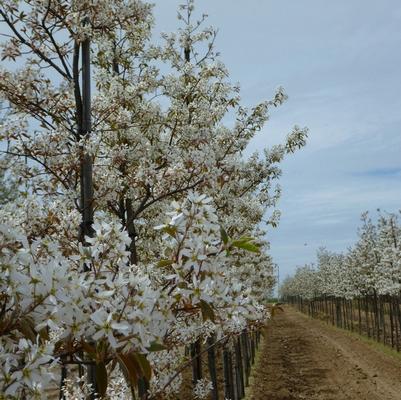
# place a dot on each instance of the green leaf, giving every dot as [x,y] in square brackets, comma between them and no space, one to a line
[246,246]
[207,311]
[164,263]
[224,236]
[101,378]
[171,230]
[246,239]
[154,346]
[130,367]
[144,364]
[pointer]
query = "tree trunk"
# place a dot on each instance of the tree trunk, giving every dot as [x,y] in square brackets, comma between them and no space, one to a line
[228,374]
[131,232]
[239,368]
[359,316]
[211,358]
[196,362]
[247,361]
[83,110]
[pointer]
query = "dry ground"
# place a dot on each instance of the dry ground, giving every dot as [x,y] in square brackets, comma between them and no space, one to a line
[306,359]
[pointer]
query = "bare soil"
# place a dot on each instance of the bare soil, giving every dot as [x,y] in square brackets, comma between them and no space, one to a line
[306,359]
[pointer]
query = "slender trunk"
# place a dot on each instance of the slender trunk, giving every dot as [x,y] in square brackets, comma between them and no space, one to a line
[397,299]
[397,342]
[253,350]
[359,316]
[352,314]
[367,315]
[343,303]
[390,303]
[131,232]
[226,372]
[376,315]
[239,368]
[382,316]
[196,362]
[84,129]
[211,358]
[247,361]
[83,105]
[338,312]
[62,381]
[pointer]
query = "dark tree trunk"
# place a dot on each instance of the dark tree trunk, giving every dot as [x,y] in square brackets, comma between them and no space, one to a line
[84,129]
[83,112]
[390,303]
[247,361]
[359,316]
[376,315]
[228,374]
[196,362]
[211,358]
[131,232]
[397,341]
[239,371]
[367,315]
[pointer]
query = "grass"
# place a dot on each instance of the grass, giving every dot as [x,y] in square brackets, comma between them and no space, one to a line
[386,349]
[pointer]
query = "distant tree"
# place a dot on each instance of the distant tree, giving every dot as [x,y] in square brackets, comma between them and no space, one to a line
[372,266]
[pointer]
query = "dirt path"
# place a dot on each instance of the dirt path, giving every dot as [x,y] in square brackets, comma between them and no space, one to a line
[306,359]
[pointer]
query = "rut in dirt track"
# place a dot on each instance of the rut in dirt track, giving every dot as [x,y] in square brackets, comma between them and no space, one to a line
[306,359]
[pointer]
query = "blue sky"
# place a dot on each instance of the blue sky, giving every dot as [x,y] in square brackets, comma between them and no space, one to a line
[340,63]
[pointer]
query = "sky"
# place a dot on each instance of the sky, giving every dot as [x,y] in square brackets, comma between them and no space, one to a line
[340,64]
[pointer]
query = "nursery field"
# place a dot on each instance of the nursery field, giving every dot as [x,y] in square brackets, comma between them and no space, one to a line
[303,358]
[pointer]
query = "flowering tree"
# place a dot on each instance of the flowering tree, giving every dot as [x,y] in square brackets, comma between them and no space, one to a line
[370,267]
[136,229]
